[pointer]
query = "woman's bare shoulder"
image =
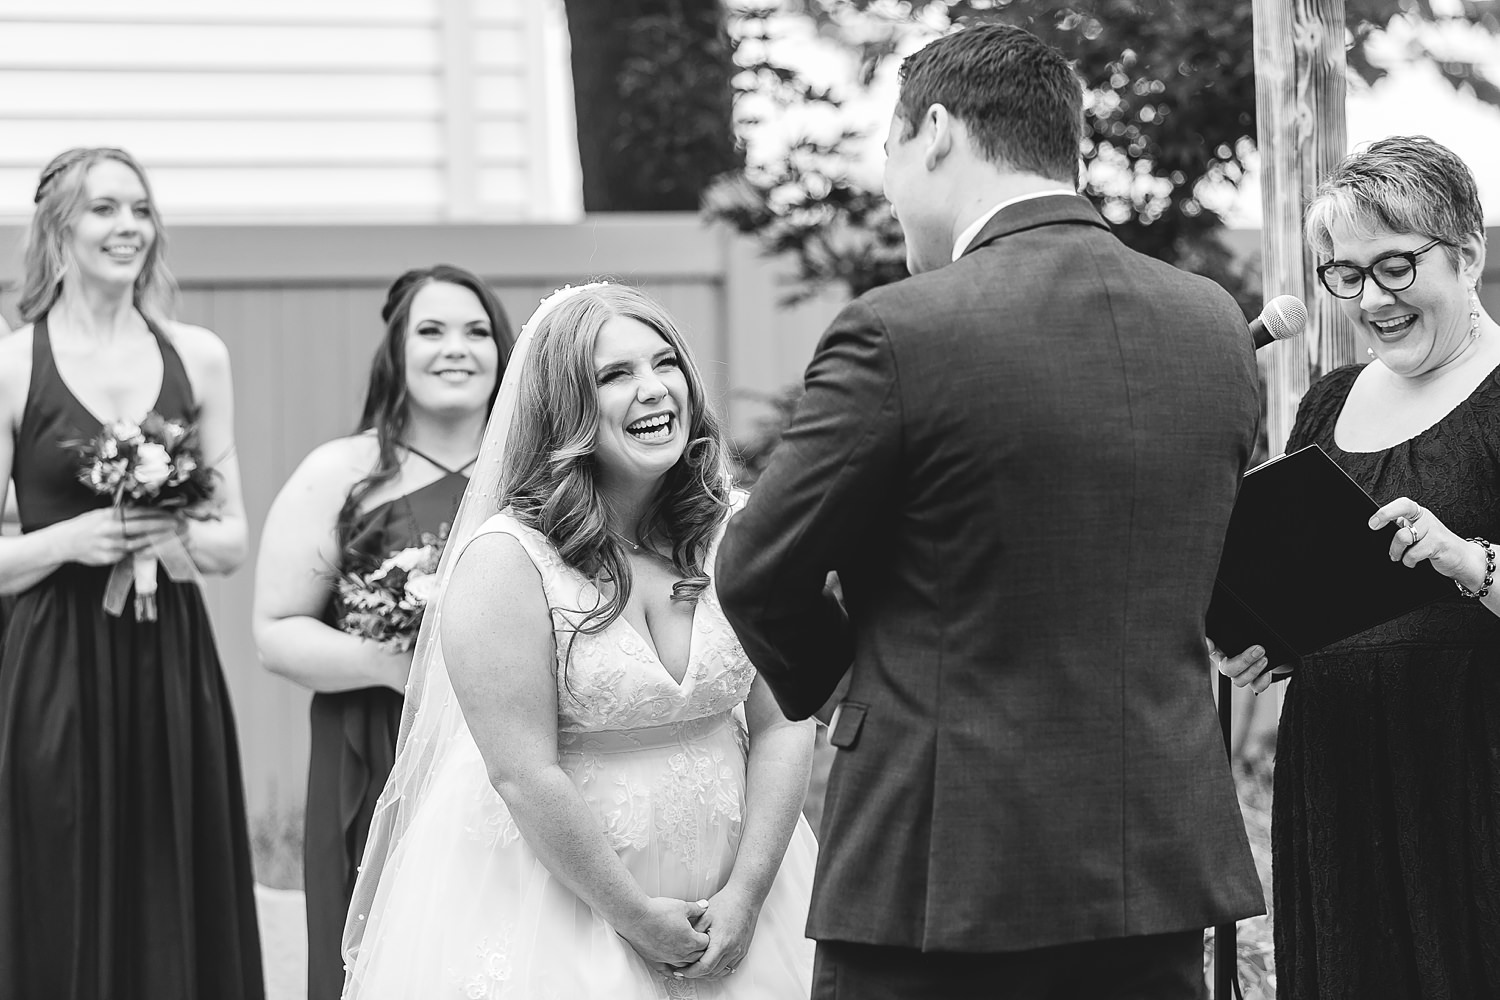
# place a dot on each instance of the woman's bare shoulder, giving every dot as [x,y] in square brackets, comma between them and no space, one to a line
[200,348]
[338,464]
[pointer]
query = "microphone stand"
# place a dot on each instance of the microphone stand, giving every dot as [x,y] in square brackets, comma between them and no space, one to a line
[1224,934]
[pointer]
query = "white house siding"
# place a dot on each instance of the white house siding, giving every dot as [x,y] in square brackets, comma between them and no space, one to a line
[299,110]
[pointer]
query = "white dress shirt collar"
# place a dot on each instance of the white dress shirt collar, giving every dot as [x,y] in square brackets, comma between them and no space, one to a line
[967,236]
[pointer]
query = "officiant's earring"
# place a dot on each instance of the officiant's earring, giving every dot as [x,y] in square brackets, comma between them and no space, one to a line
[1370,351]
[1473,311]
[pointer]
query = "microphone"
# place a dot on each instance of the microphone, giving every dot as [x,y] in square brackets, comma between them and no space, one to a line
[1283,317]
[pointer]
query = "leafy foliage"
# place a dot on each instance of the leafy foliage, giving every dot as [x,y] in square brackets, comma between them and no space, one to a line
[1170,118]
[653,101]
[1368,18]
[750,454]
[805,205]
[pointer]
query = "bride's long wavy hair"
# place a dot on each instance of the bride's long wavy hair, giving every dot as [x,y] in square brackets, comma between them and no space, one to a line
[550,483]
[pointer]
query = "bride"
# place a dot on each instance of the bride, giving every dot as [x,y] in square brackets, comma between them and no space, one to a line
[594,796]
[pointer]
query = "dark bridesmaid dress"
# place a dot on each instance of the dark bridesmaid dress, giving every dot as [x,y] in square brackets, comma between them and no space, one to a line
[124,859]
[354,740]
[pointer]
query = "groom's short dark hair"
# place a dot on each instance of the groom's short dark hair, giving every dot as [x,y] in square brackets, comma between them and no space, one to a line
[1018,97]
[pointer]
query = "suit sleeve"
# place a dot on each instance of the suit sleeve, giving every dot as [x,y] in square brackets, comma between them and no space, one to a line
[813,509]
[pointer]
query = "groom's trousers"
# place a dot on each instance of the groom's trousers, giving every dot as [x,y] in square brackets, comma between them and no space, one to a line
[1150,967]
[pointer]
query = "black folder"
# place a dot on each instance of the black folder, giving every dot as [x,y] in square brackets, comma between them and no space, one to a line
[1301,568]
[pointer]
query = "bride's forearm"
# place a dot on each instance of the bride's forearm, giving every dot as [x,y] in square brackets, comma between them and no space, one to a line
[776,777]
[562,830]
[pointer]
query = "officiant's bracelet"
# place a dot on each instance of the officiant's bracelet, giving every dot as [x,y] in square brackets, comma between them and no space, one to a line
[1489,571]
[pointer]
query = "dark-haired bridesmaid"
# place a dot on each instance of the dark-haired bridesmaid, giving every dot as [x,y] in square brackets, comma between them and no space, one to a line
[124,858]
[352,503]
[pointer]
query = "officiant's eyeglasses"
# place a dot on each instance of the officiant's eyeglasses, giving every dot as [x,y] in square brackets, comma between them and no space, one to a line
[1394,272]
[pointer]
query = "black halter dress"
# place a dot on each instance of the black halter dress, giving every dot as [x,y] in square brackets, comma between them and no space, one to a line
[354,738]
[124,858]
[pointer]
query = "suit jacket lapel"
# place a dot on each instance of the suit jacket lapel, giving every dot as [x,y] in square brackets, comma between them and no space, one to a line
[1063,209]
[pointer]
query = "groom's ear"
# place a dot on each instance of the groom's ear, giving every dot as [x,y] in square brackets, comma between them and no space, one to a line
[937,134]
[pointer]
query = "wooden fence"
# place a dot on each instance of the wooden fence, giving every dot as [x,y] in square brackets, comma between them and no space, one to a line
[299,308]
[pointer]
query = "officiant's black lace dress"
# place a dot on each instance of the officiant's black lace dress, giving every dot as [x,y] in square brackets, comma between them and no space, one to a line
[1386,825]
[124,857]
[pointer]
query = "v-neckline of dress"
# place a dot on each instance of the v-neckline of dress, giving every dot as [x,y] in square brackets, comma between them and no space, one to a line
[161,389]
[650,646]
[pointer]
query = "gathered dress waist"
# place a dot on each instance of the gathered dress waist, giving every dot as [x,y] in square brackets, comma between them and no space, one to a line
[649,738]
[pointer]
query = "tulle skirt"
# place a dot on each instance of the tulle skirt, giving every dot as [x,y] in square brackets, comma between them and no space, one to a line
[465,908]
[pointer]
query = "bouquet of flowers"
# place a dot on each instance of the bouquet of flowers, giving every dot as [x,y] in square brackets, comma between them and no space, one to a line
[154,464]
[386,603]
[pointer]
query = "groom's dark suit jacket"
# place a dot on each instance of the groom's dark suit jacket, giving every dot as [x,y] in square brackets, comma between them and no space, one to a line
[1021,466]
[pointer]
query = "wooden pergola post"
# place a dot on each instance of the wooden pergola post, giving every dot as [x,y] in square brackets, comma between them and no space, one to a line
[1299,103]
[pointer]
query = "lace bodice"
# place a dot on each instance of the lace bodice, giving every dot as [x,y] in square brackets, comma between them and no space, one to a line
[612,680]
[467,908]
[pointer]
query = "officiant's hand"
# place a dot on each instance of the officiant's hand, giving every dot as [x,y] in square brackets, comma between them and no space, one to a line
[664,934]
[730,921]
[1421,536]
[1248,667]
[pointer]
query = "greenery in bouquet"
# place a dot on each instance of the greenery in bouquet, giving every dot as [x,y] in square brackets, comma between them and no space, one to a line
[156,463]
[385,604]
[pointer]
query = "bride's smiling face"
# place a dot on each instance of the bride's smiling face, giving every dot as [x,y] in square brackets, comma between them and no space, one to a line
[644,402]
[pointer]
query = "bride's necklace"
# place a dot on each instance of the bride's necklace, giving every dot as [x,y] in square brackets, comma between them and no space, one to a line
[632,546]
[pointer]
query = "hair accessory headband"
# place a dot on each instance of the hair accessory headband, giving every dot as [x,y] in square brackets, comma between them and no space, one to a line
[65,160]
[47,176]
[554,300]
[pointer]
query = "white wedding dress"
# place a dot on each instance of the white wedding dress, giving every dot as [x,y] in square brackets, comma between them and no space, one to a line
[465,909]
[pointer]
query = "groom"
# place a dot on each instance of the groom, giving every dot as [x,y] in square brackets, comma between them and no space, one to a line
[1021,463]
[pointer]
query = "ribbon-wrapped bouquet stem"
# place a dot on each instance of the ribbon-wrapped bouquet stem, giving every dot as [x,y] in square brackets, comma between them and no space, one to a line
[156,464]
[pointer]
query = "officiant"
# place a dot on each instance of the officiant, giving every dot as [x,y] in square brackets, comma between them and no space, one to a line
[1386,868]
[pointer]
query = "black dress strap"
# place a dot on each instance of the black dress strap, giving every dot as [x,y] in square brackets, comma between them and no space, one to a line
[435,463]
[176,387]
[41,358]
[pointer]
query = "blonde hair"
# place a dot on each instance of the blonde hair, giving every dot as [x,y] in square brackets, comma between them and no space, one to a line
[549,481]
[1403,184]
[60,197]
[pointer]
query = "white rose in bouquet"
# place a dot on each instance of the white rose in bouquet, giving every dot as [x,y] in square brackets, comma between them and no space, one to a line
[126,431]
[420,587]
[410,559]
[152,466]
